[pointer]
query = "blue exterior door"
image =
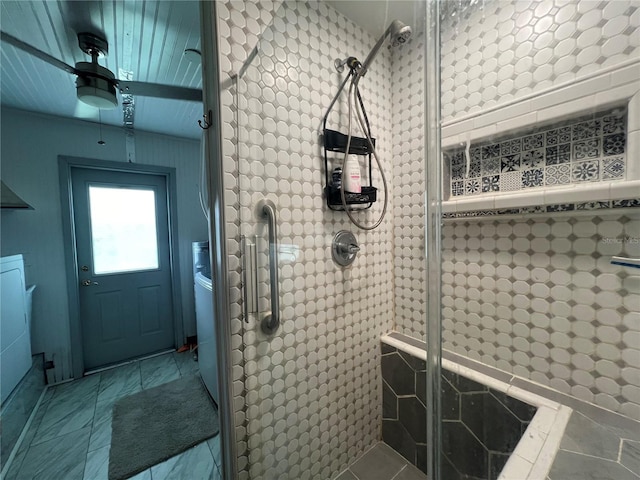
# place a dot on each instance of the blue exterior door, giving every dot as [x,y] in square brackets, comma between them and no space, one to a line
[123,253]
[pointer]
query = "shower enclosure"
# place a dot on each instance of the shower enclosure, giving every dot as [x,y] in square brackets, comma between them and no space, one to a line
[508,135]
[309,393]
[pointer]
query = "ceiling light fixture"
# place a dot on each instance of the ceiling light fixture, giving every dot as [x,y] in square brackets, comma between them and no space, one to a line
[96,91]
[95,85]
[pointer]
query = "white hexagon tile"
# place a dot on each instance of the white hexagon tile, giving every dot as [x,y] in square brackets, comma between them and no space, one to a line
[498,50]
[539,298]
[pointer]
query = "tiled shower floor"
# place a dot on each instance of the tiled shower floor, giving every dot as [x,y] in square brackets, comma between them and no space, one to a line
[591,448]
[70,435]
[381,462]
[597,449]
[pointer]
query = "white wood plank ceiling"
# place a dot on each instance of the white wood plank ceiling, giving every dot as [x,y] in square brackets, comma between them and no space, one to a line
[146,37]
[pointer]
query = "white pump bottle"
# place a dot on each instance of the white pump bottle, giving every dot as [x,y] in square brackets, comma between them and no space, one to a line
[351,175]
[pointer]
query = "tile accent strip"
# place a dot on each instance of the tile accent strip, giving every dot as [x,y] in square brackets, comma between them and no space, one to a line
[588,149]
[562,207]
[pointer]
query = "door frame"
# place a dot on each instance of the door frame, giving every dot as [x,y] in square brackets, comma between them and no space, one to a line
[65,165]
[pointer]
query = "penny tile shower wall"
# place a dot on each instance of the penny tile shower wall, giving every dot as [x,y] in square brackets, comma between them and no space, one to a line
[408,195]
[313,389]
[240,23]
[312,393]
[540,299]
[533,296]
[505,49]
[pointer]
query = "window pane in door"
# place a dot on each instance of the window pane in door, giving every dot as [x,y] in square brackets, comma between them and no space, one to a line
[123,229]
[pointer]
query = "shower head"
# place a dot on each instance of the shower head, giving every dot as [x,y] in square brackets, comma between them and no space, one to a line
[399,33]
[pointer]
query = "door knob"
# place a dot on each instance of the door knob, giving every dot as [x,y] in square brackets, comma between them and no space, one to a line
[88,283]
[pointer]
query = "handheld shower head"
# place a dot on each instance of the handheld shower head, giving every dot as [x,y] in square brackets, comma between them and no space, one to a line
[399,33]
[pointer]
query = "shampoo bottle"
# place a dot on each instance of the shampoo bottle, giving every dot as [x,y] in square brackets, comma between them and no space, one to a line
[352,175]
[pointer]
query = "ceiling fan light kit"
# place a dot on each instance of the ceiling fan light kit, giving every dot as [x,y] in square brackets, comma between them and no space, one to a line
[96,85]
[98,88]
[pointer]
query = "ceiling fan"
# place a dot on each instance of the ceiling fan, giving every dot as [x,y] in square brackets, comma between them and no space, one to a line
[95,84]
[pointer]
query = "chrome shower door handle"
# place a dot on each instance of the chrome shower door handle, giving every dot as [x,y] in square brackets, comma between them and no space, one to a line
[250,276]
[271,322]
[626,262]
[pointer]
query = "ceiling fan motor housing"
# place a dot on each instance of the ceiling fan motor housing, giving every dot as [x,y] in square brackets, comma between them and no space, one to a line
[93,44]
[95,85]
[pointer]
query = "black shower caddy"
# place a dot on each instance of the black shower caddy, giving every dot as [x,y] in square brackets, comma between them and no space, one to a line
[335,141]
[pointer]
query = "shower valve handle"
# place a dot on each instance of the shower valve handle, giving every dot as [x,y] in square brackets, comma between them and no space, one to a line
[351,248]
[344,248]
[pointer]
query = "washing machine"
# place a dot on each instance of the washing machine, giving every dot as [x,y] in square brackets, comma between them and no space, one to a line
[205,318]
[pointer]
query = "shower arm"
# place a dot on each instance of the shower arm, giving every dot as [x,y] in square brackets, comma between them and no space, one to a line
[365,65]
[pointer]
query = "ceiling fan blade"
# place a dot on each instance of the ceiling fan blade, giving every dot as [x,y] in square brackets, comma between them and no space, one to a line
[161,91]
[25,47]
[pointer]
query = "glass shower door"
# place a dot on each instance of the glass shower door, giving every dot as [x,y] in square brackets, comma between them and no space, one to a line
[539,110]
[280,369]
[313,391]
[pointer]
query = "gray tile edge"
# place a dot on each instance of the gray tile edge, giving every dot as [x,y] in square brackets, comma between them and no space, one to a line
[488,370]
[346,474]
[387,449]
[595,412]
[407,339]
[414,471]
[23,434]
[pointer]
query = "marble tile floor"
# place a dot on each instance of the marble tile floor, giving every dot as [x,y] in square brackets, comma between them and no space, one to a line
[596,449]
[381,462]
[70,435]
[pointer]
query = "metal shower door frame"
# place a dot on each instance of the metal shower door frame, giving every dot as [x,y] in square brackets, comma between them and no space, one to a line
[433,224]
[217,234]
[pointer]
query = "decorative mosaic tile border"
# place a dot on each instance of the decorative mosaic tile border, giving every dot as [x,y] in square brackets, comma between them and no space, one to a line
[562,207]
[589,149]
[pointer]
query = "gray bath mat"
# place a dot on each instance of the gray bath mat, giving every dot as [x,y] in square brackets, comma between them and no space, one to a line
[156,424]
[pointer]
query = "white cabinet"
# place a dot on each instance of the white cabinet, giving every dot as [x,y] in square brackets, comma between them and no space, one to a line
[15,341]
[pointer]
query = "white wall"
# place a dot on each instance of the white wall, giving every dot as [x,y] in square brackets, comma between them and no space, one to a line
[31,144]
